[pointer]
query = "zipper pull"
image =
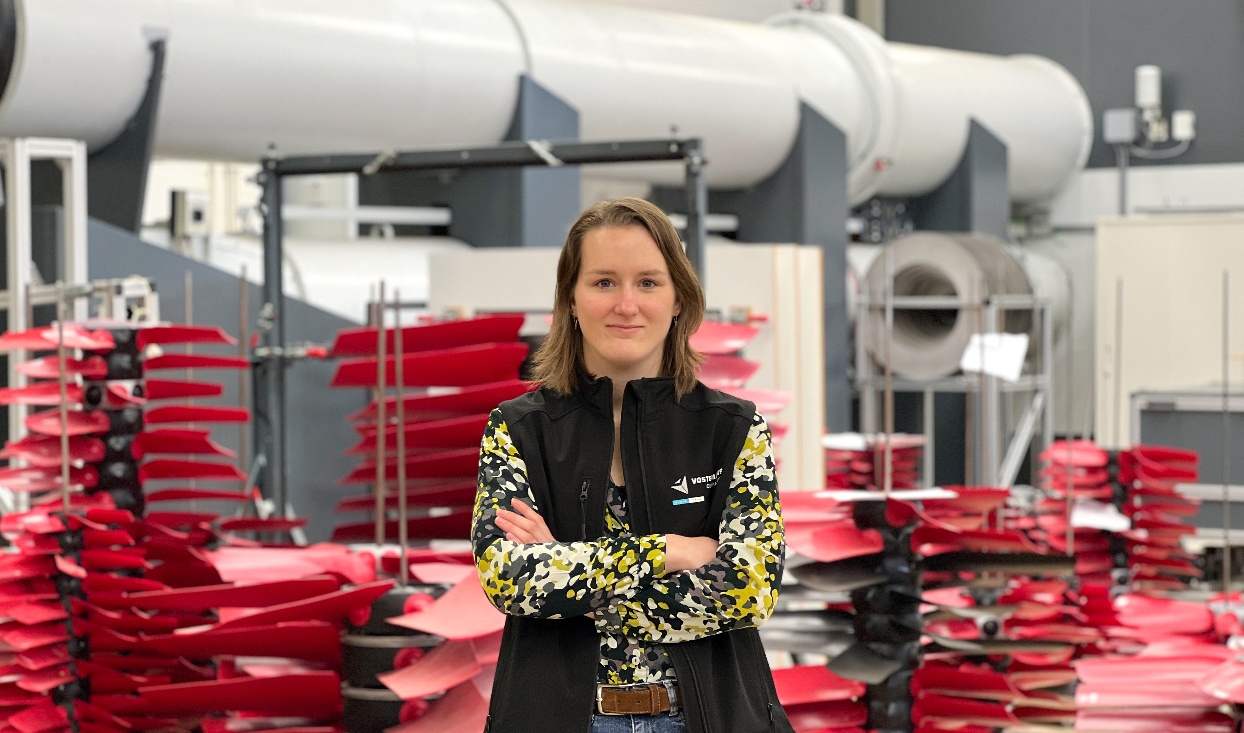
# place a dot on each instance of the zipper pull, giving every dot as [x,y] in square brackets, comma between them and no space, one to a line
[587,483]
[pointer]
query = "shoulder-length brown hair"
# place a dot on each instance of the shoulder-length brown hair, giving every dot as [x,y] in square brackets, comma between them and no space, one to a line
[559,361]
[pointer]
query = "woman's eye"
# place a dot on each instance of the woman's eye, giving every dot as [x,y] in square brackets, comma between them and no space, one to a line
[649,283]
[603,283]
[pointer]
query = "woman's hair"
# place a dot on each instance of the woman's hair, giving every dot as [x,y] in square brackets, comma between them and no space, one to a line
[559,361]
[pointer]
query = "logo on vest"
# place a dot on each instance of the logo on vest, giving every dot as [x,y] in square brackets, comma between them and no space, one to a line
[683,485]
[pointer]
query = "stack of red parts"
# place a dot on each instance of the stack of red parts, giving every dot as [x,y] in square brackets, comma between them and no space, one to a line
[858,461]
[453,374]
[726,369]
[120,621]
[909,584]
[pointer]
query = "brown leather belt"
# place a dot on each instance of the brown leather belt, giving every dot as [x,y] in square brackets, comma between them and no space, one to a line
[650,699]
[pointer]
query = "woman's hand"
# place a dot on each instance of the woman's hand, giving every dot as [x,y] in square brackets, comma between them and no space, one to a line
[524,525]
[688,553]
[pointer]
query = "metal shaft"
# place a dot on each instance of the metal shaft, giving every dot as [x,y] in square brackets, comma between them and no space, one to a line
[888,463]
[381,417]
[63,382]
[1226,436]
[400,409]
[1118,361]
[270,432]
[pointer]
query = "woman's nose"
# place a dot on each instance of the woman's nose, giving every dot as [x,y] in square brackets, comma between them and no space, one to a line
[626,301]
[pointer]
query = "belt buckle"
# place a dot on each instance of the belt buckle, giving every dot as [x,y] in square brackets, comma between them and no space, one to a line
[600,699]
[600,695]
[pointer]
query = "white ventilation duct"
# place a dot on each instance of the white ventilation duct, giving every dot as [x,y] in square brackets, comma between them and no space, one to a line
[322,77]
[928,343]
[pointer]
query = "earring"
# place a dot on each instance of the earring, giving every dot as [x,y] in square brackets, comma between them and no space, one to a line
[576,322]
[674,322]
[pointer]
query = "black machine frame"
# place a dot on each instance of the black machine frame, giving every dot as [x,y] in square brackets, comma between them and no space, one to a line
[273,355]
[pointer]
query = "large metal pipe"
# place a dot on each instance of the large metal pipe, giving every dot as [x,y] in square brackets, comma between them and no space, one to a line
[313,77]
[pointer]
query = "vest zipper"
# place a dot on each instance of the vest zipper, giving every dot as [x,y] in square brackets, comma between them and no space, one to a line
[643,470]
[695,685]
[587,484]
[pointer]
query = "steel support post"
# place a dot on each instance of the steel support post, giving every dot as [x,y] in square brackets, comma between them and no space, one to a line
[270,384]
[697,210]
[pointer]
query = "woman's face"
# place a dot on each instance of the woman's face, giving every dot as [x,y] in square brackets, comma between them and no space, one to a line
[625,302]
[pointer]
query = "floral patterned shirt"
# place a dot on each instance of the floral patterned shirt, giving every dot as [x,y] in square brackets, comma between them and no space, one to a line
[620,578]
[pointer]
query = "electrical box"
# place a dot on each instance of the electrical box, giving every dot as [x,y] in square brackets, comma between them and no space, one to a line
[188,214]
[1120,126]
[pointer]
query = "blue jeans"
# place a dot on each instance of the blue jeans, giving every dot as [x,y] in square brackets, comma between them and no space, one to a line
[662,723]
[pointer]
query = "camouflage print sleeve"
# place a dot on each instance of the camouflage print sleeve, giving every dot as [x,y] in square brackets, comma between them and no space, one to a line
[548,579]
[736,590]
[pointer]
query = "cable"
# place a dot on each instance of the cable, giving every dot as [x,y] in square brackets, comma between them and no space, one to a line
[1163,153]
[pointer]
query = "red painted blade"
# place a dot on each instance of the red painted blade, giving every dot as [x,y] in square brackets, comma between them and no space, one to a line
[456,525]
[463,612]
[255,524]
[440,494]
[835,715]
[40,450]
[446,464]
[46,338]
[449,402]
[814,683]
[43,717]
[174,440]
[33,612]
[315,694]
[252,595]
[44,478]
[173,389]
[448,367]
[195,413]
[186,494]
[460,432]
[1080,453]
[183,334]
[1150,721]
[80,423]
[722,338]
[334,607]
[724,372]
[240,564]
[180,468]
[195,361]
[42,394]
[449,664]
[461,710]
[310,640]
[1143,694]
[972,500]
[834,542]
[436,336]
[48,367]
[181,519]
[767,402]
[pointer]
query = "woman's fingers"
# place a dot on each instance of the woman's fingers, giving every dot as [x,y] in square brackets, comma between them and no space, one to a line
[531,521]
[522,530]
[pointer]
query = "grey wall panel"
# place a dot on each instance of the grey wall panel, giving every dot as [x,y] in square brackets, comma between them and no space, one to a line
[1199,45]
[318,432]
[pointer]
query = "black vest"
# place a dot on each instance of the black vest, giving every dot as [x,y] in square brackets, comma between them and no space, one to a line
[546,673]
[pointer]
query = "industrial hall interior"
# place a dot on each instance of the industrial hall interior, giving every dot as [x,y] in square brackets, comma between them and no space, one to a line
[920,323]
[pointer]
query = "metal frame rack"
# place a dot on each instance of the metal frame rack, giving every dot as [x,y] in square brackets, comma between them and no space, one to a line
[274,355]
[989,465]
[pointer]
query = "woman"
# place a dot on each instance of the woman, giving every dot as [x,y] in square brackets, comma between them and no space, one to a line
[627,518]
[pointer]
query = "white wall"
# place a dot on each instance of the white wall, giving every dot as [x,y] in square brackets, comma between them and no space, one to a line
[1073,218]
[231,192]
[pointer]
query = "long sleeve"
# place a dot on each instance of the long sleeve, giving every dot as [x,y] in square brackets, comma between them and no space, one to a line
[550,579]
[736,590]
